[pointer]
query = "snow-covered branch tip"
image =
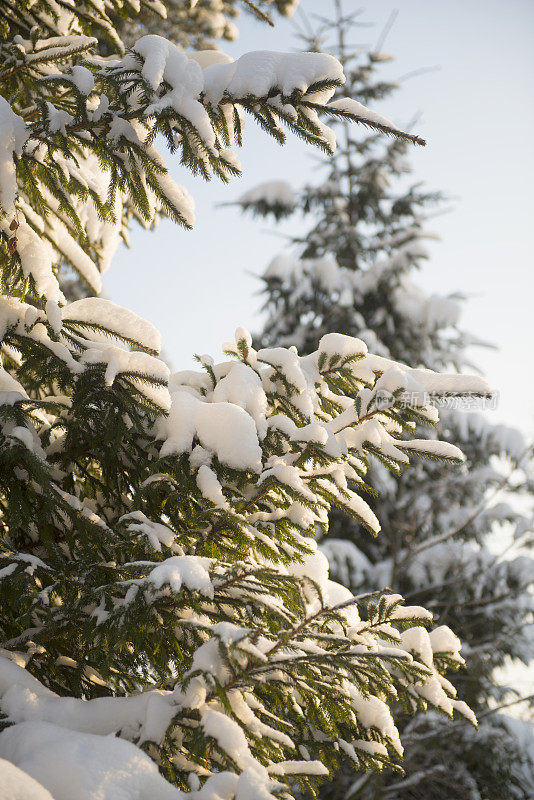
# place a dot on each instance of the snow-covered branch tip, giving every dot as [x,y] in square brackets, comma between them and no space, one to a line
[348,108]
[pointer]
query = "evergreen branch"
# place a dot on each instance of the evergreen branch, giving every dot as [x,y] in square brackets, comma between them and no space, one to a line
[367,122]
[443,537]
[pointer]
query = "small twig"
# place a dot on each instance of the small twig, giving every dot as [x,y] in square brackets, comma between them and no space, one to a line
[506,705]
[385,30]
[414,73]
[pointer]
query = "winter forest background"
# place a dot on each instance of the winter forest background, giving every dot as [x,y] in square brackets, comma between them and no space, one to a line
[295,570]
[476,112]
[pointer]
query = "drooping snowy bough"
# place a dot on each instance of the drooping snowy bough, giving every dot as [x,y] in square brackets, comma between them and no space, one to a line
[77,159]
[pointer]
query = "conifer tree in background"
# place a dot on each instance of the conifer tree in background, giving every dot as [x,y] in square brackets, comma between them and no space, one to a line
[168,628]
[352,272]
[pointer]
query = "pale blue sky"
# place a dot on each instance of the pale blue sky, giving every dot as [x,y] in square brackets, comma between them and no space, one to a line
[478,117]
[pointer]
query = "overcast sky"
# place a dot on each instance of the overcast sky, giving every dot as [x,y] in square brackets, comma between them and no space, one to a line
[477,113]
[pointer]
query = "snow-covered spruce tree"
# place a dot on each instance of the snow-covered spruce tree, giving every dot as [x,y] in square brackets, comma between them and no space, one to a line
[159,574]
[352,272]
